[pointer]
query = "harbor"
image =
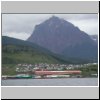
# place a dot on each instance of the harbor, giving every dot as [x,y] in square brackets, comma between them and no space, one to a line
[49,71]
[45,74]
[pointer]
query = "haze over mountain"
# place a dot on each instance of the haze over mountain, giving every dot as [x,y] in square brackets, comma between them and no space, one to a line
[95,38]
[62,37]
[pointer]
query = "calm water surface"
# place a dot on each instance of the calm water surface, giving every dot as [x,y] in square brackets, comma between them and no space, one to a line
[51,82]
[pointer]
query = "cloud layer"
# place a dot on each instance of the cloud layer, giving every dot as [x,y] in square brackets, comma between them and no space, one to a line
[22,25]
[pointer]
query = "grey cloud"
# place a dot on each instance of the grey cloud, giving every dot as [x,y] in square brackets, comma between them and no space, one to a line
[80,17]
[20,22]
[26,22]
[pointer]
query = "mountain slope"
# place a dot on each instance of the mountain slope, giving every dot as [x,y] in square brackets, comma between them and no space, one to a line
[63,38]
[16,51]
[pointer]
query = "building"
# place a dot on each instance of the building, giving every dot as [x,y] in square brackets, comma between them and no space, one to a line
[57,72]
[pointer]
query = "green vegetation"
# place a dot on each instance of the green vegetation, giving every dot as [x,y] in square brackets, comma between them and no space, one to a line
[21,54]
[8,69]
[16,51]
[89,70]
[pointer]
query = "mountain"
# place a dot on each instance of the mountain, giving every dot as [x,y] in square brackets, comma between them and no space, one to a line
[95,38]
[63,38]
[16,51]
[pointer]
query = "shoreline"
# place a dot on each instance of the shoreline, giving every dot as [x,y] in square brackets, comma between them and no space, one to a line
[49,78]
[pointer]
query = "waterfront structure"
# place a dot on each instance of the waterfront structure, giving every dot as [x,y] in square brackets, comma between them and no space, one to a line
[57,72]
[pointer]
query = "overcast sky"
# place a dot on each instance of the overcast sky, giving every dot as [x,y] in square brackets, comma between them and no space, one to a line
[21,26]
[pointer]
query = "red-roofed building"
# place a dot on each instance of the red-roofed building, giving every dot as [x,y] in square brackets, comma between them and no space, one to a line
[57,72]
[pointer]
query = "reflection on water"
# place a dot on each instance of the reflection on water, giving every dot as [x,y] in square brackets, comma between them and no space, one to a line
[51,82]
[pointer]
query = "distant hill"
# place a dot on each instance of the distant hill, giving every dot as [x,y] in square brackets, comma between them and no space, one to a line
[63,38]
[16,51]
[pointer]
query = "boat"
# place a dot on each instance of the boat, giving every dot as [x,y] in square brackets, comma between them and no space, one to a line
[23,76]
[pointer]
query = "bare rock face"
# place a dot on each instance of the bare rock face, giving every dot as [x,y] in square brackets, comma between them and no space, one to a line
[62,37]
